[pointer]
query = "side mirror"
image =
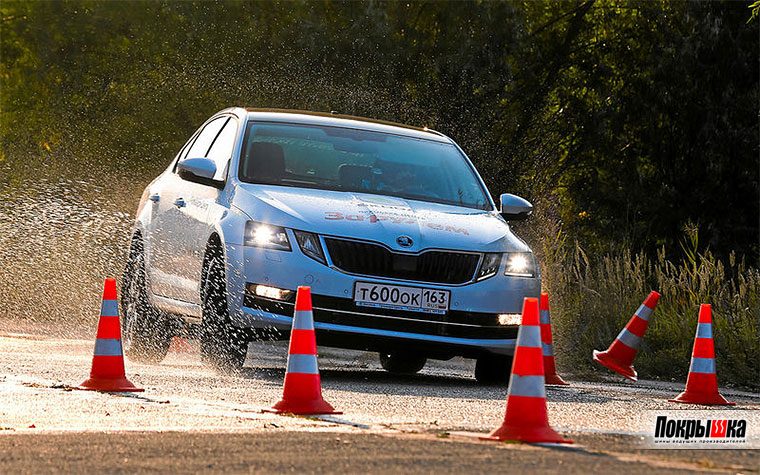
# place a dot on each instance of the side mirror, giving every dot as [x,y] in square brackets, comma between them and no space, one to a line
[199,170]
[514,208]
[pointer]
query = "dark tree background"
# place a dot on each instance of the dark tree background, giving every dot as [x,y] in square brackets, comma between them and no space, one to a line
[627,121]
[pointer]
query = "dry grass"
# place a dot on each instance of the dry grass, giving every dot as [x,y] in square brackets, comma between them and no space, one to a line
[592,299]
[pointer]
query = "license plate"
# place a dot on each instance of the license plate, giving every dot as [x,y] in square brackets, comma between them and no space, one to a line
[399,297]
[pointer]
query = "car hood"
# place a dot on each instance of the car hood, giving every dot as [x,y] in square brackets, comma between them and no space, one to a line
[378,218]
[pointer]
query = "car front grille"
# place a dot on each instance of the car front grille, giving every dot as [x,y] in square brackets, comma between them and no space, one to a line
[430,266]
[341,311]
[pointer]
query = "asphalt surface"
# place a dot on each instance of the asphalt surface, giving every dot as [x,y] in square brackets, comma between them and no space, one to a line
[190,418]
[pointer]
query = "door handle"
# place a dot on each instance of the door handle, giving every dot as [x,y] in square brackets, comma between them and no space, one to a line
[154,198]
[179,203]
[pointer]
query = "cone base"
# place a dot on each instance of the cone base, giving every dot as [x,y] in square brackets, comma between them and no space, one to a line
[708,399]
[609,362]
[555,380]
[308,407]
[535,435]
[109,385]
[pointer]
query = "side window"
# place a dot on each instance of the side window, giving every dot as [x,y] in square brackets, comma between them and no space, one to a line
[205,138]
[221,150]
[186,147]
[183,151]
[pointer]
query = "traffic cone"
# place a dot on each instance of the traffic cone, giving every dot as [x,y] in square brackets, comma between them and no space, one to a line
[702,382]
[179,344]
[107,372]
[526,419]
[550,370]
[619,356]
[302,392]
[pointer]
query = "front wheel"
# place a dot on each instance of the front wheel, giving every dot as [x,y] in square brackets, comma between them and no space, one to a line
[493,369]
[223,346]
[147,332]
[402,363]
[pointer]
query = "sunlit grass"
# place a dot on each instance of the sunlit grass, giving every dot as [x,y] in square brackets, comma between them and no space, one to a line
[592,299]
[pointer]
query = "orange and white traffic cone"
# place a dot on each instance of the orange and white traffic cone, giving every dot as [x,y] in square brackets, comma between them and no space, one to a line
[550,370]
[107,372]
[302,392]
[702,382]
[526,419]
[179,344]
[619,356]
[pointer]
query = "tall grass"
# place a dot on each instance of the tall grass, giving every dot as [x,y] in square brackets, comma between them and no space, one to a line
[592,299]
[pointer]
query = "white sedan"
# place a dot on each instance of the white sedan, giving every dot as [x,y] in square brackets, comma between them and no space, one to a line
[391,226]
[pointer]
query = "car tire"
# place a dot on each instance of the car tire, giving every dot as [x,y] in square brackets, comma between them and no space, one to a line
[402,362]
[493,369]
[223,346]
[147,332]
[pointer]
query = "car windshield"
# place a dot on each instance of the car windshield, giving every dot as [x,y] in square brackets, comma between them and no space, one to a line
[341,159]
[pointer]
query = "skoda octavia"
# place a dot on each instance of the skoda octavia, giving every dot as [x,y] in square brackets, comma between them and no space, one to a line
[390,226]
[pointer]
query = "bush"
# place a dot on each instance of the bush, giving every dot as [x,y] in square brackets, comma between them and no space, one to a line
[592,299]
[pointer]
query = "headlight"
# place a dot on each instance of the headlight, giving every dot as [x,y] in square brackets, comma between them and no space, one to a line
[310,245]
[264,235]
[520,264]
[490,265]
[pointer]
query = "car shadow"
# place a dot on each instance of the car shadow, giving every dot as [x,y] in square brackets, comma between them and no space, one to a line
[359,372]
[371,381]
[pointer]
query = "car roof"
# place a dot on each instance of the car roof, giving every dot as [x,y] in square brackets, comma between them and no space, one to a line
[340,120]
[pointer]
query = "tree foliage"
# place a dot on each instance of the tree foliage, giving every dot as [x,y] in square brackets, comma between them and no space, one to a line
[631,119]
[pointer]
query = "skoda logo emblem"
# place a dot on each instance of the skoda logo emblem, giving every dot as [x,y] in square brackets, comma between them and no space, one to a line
[404,241]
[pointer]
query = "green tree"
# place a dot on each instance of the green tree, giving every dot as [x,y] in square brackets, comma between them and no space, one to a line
[630,118]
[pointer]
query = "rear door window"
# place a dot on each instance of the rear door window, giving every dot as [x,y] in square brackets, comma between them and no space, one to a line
[221,150]
[202,144]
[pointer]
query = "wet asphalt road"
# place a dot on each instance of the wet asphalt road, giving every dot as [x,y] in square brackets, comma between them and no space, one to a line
[190,418]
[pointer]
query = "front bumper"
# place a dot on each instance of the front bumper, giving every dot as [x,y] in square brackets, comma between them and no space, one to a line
[469,329]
